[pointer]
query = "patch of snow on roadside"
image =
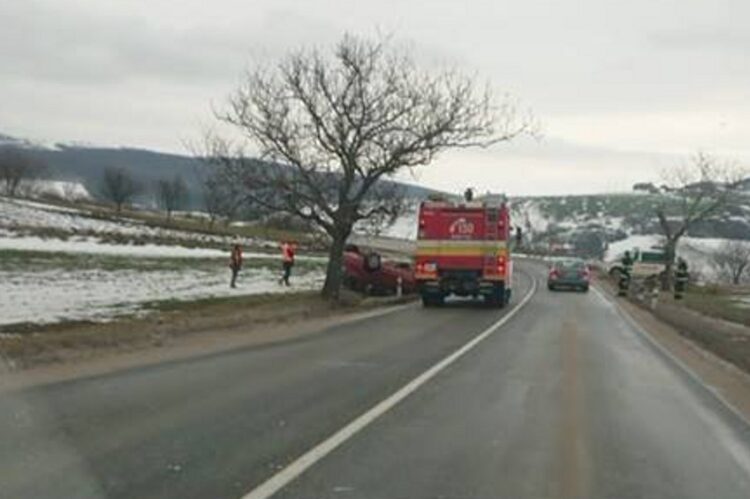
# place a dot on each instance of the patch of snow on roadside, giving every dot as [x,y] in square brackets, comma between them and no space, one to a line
[529,215]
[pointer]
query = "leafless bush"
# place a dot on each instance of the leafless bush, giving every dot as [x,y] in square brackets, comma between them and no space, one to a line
[119,187]
[222,198]
[171,194]
[693,193]
[17,171]
[732,260]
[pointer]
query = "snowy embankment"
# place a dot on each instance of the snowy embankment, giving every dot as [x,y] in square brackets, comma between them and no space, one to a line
[55,265]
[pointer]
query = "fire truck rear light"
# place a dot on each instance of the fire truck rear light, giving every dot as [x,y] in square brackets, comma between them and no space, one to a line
[501,265]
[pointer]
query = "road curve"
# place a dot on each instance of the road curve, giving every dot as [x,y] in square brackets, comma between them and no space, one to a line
[565,400]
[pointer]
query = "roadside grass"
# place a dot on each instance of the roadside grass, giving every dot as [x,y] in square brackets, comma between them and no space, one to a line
[695,318]
[720,302]
[28,344]
[221,303]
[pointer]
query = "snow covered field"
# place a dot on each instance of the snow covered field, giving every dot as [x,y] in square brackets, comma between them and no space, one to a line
[90,245]
[76,275]
[51,291]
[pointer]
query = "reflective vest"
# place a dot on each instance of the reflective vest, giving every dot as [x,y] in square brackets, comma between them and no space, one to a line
[287,252]
[235,261]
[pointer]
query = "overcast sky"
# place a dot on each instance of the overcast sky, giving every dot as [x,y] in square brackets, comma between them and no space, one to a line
[622,88]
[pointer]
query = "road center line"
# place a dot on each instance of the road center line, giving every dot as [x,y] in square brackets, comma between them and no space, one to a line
[312,456]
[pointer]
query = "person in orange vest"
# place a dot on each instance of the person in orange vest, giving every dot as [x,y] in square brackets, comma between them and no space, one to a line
[235,264]
[288,249]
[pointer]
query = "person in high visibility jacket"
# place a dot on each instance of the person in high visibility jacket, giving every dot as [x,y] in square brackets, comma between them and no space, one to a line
[681,278]
[288,249]
[235,264]
[625,274]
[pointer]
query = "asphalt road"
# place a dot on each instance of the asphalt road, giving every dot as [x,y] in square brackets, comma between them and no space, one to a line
[564,400]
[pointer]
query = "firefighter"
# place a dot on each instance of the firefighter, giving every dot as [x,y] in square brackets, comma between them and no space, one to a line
[235,264]
[625,273]
[681,278]
[288,249]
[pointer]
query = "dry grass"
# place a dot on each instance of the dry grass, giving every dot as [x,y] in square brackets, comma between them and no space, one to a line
[719,302]
[31,344]
[710,318]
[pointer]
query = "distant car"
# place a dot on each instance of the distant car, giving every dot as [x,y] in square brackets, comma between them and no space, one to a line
[571,274]
[367,272]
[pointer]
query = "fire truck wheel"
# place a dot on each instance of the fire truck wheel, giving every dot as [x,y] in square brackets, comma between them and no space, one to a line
[430,300]
[497,299]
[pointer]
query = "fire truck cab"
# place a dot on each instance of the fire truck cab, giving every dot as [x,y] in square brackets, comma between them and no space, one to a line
[462,249]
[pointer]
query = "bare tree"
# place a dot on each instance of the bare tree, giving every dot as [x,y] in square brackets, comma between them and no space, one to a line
[16,168]
[334,125]
[222,198]
[732,260]
[171,194]
[693,193]
[119,187]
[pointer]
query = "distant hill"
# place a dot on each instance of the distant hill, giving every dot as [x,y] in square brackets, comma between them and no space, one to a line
[611,217]
[86,164]
[615,217]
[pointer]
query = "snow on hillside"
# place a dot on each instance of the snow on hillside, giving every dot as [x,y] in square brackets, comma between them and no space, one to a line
[639,241]
[698,252]
[62,189]
[405,227]
[27,218]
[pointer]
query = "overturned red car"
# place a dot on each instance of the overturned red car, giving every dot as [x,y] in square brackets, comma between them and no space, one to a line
[368,272]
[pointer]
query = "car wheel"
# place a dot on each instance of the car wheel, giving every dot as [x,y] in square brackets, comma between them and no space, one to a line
[550,287]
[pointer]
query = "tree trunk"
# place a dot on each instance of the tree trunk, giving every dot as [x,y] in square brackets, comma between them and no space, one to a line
[670,251]
[334,276]
[737,274]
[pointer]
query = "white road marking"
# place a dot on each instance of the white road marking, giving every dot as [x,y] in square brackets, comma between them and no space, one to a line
[312,456]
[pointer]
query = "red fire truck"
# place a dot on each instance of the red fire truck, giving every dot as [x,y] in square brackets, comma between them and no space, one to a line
[462,249]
